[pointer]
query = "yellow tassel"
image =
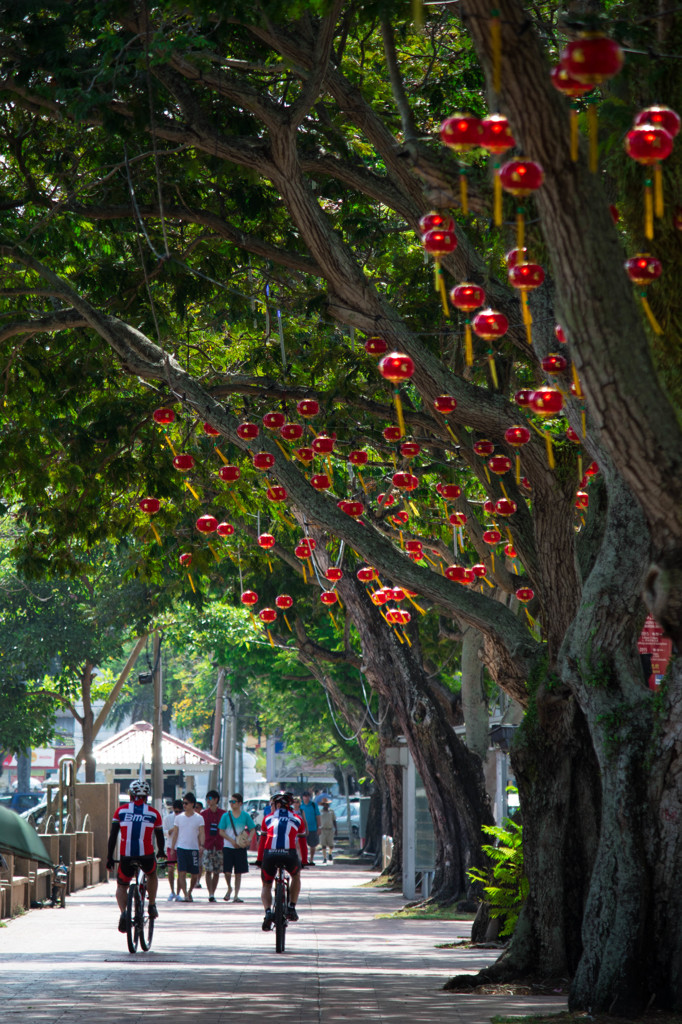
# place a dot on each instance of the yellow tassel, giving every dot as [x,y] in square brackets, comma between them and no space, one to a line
[329,468]
[415,510]
[269,564]
[399,412]
[492,560]
[191,489]
[214,552]
[497,198]
[225,461]
[460,542]
[305,578]
[550,451]
[463,196]
[658,191]
[487,580]
[527,318]
[530,618]
[287,622]
[496,50]
[331,616]
[191,582]
[493,371]
[580,467]
[170,444]
[156,534]
[520,230]
[398,635]
[452,435]
[648,211]
[362,482]
[518,469]
[655,326]
[503,489]
[485,470]
[284,452]
[417,606]
[576,382]
[593,134]
[402,544]
[468,345]
[418,14]
[407,638]
[272,642]
[430,561]
[440,287]
[574,135]
[583,423]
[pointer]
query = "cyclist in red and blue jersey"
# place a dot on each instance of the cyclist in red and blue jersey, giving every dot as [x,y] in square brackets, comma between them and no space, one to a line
[280,831]
[138,824]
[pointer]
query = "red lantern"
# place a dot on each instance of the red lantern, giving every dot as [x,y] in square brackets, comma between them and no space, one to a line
[211,431]
[333,574]
[479,570]
[566,84]
[206,524]
[276,493]
[266,540]
[489,507]
[517,436]
[499,464]
[523,397]
[515,256]
[449,491]
[520,177]
[229,473]
[320,481]
[592,59]
[445,404]
[249,597]
[526,276]
[328,597]
[435,220]
[366,574]
[458,518]
[291,431]
[283,601]
[405,481]
[400,518]
[352,508]
[505,507]
[439,243]
[248,431]
[150,505]
[396,367]
[572,436]
[375,346]
[510,550]
[525,594]
[267,615]
[582,499]
[409,449]
[461,132]
[467,297]
[304,454]
[183,463]
[392,433]
[648,144]
[459,574]
[390,500]
[263,461]
[496,134]
[308,407]
[484,447]
[224,529]
[414,547]
[357,457]
[554,363]
[397,616]
[273,420]
[163,416]
[302,551]
[490,325]
[592,469]
[323,444]
[547,402]
[380,596]
[643,269]
[185,559]
[492,536]
[663,116]
[560,334]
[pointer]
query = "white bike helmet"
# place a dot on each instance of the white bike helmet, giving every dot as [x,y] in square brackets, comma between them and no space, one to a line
[139,788]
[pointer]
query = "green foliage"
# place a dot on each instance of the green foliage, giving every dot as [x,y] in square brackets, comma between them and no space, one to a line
[504,883]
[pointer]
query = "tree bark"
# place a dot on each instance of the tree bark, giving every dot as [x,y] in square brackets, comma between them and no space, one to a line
[88,722]
[474,700]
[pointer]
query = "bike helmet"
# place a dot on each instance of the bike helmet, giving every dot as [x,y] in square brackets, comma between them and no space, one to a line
[285,799]
[139,788]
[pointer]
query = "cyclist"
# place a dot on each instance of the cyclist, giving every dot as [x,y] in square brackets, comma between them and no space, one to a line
[279,834]
[138,822]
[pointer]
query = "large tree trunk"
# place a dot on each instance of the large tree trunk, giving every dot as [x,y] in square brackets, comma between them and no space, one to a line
[87,723]
[474,699]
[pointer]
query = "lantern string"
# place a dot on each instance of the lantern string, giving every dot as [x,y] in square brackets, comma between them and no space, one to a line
[593,133]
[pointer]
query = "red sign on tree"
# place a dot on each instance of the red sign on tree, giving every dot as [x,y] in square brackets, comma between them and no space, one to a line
[653,642]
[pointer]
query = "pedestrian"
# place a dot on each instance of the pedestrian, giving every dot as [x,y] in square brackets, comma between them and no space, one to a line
[235,861]
[327,830]
[199,807]
[302,840]
[171,855]
[310,813]
[187,838]
[212,861]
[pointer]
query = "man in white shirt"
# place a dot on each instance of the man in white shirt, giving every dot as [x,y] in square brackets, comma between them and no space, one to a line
[172,858]
[187,837]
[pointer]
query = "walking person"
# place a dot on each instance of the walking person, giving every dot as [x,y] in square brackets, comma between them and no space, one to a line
[187,837]
[212,860]
[310,813]
[171,855]
[327,830]
[232,824]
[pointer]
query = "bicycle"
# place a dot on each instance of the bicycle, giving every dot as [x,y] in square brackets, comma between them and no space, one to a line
[139,925]
[280,910]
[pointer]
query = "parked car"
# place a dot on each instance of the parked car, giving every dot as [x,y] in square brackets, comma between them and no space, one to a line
[255,808]
[340,809]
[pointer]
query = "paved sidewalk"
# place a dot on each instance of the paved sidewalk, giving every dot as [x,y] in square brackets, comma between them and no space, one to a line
[212,964]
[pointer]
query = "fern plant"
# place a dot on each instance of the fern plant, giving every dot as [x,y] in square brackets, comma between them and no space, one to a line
[504,883]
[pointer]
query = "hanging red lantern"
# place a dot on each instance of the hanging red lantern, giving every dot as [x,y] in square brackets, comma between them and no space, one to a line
[489,507]
[352,508]
[510,551]
[304,454]
[357,457]
[479,570]
[547,402]
[592,469]
[206,524]
[150,505]
[496,139]
[283,601]
[593,58]
[224,529]
[526,277]
[515,256]
[229,473]
[520,178]
[505,507]
[458,519]
[459,574]
[449,491]
[663,116]
[183,463]
[405,481]
[440,242]
[333,574]
[560,334]
[400,518]
[396,367]
[328,597]
[308,407]
[490,325]
[409,449]
[445,404]
[274,420]
[248,431]
[379,596]
[467,297]
[385,501]
[554,363]
[263,461]
[302,551]
[291,431]
[249,597]
[267,615]
[320,481]
[276,493]
[642,270]
[397,616]
[163,416]
[461,133]
[392,433]
[517,436]
[210,430]
[499,464]
[582,499]
[573,90]
[185,559]
[266,540]
[323,444]
[523,397]
[375,346]
[484,447]
[648,144]
[572,436]
[366,574]
[414,547]
[433,219]
[491,536]
[525,594]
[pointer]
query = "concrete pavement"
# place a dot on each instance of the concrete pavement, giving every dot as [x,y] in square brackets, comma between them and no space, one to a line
[212,964]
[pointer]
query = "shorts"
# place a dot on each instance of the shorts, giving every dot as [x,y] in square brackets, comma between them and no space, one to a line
[326,837]
[212,861]
[312,837]
[235,860]
[171,857]
[272,860]
[128,867]
[188,861]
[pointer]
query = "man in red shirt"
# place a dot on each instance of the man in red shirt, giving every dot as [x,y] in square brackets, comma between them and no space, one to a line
[213,843]
[278,845]
[139,824]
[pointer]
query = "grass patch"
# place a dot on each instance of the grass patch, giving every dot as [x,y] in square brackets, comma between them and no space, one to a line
[466,943]
[582,1017]
[377,883]
[435,913]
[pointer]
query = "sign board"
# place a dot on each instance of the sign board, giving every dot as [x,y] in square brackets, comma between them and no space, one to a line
[42,757]
[658,647]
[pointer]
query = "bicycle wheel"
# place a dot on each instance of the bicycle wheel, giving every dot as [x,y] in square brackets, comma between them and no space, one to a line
[132,917]
[280,915]
[146,925]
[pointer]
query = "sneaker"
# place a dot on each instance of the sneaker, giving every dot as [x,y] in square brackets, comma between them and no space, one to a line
[177,898]
[331,858]
[188,897]
[198,886]
[153,912]
[267,921]
[291,913]
[237,899]
[172,897]
[324,860]
[122,924]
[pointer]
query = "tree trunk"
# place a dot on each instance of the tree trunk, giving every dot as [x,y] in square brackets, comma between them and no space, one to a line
[87,723]
[474,700]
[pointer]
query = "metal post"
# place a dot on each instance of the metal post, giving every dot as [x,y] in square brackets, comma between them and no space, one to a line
[409,872]
[157,734]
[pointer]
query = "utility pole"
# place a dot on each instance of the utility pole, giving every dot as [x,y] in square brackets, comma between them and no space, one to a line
[229,734]
[217,723]
[157,734]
